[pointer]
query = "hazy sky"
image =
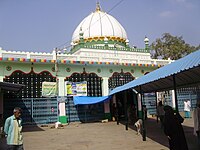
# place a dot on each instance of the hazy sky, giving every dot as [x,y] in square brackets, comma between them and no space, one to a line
[41,25]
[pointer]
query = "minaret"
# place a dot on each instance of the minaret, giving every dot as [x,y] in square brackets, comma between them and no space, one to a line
[146,41]
[81,36]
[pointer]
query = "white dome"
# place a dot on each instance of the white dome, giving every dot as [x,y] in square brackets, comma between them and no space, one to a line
[99,24]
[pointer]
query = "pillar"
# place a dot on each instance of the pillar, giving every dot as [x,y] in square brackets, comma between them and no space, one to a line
[173,99]
[105,92]
[61,86]
[61,104]
[143,115]
[156,99]
[1,100]
[126,110]
[139,106]
[1,104]
[175,94]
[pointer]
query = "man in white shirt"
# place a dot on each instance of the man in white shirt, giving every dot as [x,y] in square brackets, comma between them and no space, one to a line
[187,106]
[13,130]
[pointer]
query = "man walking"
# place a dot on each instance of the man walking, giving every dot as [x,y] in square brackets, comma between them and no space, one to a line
[160,112]
[13,130]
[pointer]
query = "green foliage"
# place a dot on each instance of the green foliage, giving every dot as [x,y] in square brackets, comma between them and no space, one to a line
[172,47]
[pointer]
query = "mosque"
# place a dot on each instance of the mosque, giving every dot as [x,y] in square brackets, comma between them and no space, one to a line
[100,58]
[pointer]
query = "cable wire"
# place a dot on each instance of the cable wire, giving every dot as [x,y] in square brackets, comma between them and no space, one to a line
[63,45]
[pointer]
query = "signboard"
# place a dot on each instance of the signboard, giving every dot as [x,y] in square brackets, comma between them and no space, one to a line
[76,88]
[49,89]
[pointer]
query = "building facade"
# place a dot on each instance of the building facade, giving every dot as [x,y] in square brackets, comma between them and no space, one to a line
[100,54]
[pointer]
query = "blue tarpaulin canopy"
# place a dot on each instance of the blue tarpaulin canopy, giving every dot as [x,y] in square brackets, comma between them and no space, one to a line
[80,100]
[185,70]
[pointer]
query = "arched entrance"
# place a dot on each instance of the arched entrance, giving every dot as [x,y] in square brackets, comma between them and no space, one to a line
[119,79]
[32,81]
[36,109]
[86,113]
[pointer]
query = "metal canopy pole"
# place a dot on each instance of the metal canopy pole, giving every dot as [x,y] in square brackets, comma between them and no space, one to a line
[117,105]
[56,71]
[175,94]
[143,117]
[126,110]
[156,97]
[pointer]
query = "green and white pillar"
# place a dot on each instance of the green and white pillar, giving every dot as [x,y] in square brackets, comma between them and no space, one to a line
[105,92]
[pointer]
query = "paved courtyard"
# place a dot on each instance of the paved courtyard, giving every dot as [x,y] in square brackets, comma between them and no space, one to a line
[99,136]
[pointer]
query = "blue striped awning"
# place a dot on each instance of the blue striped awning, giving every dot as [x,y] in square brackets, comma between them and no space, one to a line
[186,71]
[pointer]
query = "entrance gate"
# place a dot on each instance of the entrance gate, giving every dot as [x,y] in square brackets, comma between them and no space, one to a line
[84,113]
[35,110]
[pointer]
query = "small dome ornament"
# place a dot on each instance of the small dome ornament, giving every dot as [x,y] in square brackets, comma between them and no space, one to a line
[81,35]
[146,40]
[73,44]
[106,41]
[127,42]
[98,8]
[81,32]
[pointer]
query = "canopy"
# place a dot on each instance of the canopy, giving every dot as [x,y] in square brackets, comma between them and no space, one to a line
[80,100]
[186,71]
[10,86]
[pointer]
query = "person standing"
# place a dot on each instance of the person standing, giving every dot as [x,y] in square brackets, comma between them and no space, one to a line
[114,112]
[13,130]
[187,106]
[174,130]
[144,112]
[196,116]
[119,108]
[160,112]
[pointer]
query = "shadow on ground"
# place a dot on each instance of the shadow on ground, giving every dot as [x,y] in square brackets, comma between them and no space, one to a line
[153,130]
[155,133]
[32,128]
[2,143]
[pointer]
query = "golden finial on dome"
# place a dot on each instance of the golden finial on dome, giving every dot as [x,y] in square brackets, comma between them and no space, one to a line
[98,8]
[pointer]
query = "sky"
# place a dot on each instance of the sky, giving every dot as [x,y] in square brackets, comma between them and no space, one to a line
[42,25]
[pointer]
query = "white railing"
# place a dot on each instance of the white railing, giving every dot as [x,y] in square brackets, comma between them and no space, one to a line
[51,56]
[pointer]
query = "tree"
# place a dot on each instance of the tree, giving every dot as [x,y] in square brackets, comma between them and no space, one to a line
[172,47]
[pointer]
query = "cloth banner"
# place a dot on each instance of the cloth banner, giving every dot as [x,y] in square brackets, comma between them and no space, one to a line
[76,88]
[81,100]
[49,89]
